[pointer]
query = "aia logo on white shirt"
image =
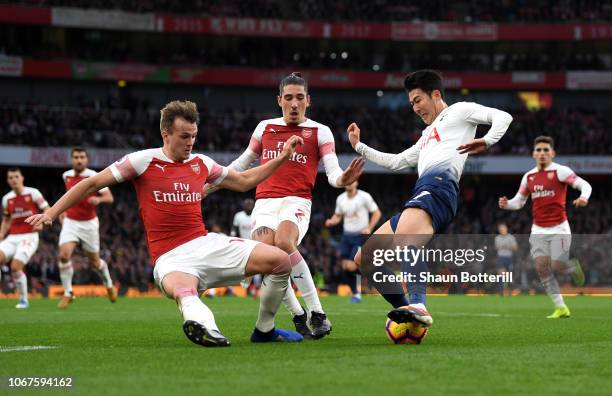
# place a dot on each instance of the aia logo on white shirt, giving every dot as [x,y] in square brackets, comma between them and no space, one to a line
[195,168]
[306,133]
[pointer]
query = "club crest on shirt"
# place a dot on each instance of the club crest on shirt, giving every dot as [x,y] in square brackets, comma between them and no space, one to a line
[306,133]
[195,168]
[28,199]
[550,175]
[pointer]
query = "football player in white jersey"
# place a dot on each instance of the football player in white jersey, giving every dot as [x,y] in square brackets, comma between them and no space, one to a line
[242,226]
[551,236]
[440,154]
[354,208]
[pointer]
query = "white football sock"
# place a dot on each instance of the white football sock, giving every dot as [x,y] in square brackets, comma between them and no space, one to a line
[103,270]
[300,274]
[292,303]
[554,292]
[66,272]
[273,289]
[194,309]
[358,280]
[21,283]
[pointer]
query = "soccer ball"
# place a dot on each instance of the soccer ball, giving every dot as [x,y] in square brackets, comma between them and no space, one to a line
[405,333]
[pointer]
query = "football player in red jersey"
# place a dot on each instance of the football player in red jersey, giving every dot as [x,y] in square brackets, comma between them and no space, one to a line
[169,182]
[282,210]
[80,225]
[19,239]
[551,236]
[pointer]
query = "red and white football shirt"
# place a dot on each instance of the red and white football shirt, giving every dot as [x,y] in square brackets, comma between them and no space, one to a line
[169,195]
[548,190]
[21,206]
[297,176]
[83,210]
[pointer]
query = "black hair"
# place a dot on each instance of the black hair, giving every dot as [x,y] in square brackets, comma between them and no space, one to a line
[294,78]
[427,80]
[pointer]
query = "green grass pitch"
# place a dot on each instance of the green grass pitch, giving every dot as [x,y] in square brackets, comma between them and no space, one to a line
[477,346]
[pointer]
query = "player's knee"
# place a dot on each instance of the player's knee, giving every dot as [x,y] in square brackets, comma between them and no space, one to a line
[357,259]
[16,266]
[64,257]
[280,263]
[285,244]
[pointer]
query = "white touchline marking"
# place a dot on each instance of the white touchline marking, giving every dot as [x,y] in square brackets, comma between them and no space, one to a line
[486,315]
[26,348]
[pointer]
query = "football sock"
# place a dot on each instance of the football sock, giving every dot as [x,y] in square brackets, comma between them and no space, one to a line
[551,286]
[292,303]
[66,272]
[300,274]
[393,292]
[351,278]
[273,289]
[21,283]
[194,309]
[417,290]
[103,270]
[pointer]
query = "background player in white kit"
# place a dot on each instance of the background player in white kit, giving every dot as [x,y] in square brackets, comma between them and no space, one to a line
[440,154]
[169,182]
[283,202]
[551,236]
[354,206]
[19,240]
[506,247]
[80,225]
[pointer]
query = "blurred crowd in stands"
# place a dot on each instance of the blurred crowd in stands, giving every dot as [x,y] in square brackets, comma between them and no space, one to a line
[576,131]
[375,10]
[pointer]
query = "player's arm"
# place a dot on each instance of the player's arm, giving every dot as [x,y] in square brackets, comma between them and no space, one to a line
[5,225]
[566,175]
[519,200]
[336,177]
[73,196]
[246,180]
[105,196]
[374,219]
[478,114]
[334,220]
[394,162]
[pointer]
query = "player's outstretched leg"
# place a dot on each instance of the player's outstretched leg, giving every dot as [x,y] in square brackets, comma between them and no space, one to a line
[276,264]
[198,320]
[66,273]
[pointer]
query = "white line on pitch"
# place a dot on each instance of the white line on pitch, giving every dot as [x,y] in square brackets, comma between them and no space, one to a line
[26,348]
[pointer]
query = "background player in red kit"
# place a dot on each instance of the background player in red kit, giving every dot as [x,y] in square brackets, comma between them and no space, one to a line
[551,236]
[80,225]
[169,182]
[22,240]
[282,210]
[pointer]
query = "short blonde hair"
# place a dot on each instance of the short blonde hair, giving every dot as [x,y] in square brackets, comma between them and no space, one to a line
[178,108]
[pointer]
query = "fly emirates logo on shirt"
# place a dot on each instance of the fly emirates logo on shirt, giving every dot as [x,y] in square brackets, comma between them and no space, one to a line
[540,192]
[21,212]
[182,193]
[268,154]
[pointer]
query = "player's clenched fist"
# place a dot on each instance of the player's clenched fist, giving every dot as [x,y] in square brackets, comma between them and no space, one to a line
[503,202]
[290,145]
[353,134]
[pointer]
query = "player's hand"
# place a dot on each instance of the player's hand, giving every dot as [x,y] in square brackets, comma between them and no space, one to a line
[95,201]
[329,223]
[352,172]
[580,202]
[39,220]
[503,202]
[290,146]
[354,134]
[208,189]
[476,146]
[366,231]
